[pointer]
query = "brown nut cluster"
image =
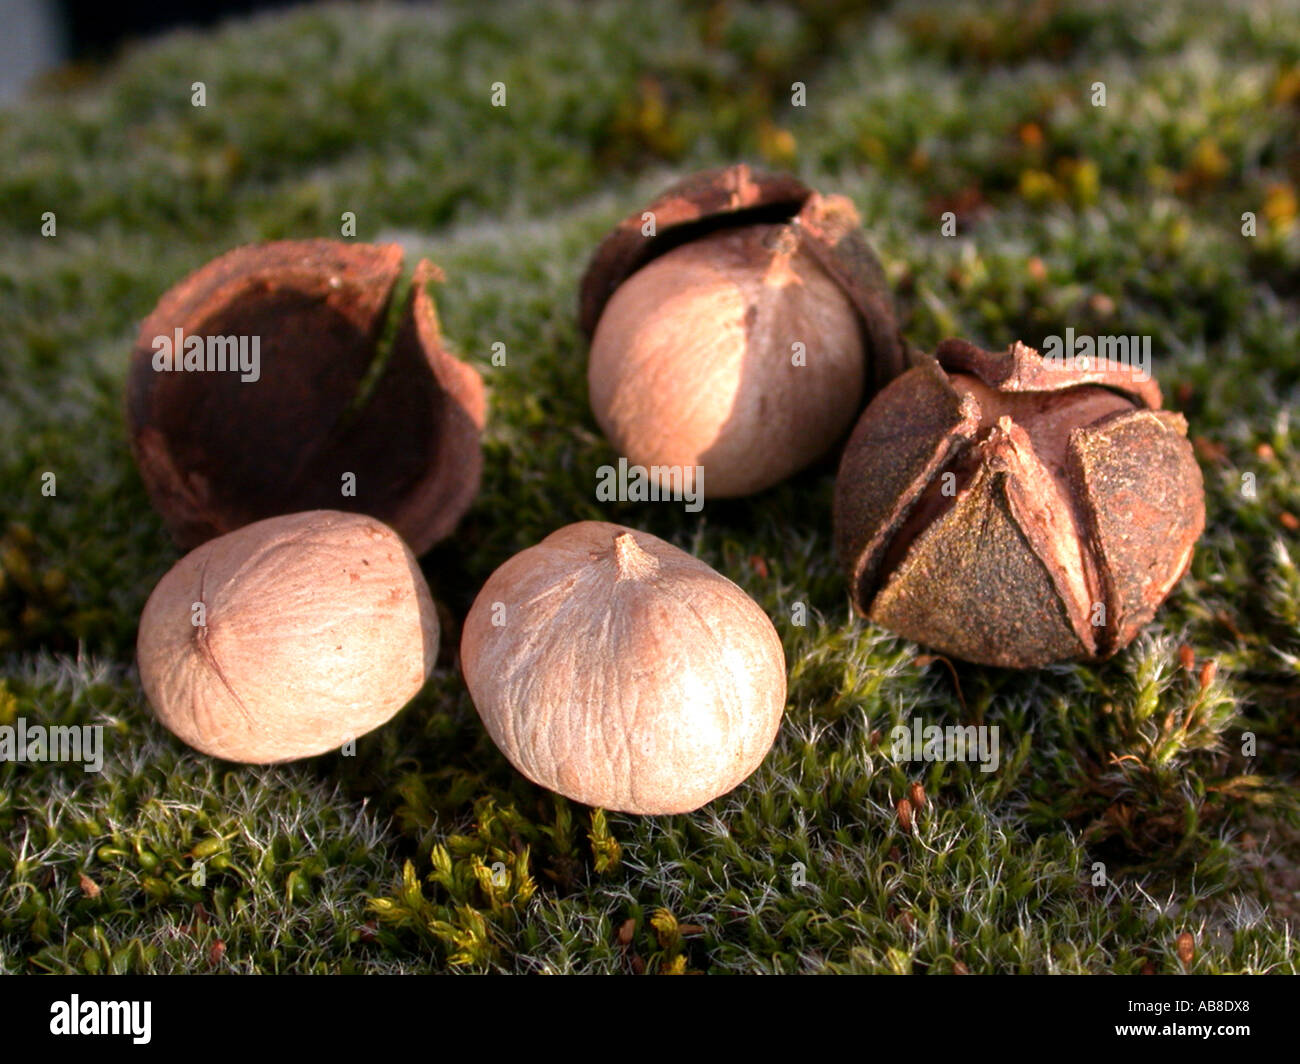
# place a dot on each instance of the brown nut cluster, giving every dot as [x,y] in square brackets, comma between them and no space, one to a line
[736,324]
[1014,511]
[317,420]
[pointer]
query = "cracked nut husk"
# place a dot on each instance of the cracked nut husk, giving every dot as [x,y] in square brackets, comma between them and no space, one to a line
[308,412]
[736,324]
[1014,511]
[620,671]
[287,637]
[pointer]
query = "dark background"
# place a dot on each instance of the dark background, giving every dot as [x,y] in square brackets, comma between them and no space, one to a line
[41,36]
[93,28]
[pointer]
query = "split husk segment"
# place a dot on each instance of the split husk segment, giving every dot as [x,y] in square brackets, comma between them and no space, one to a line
[1017,528]
[828,227]
[217,452]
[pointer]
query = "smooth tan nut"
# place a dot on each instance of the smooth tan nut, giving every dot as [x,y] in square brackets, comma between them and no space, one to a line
[738,333]
[1009,511]
[320,421]
[693,362]
[622,672]
[315,629]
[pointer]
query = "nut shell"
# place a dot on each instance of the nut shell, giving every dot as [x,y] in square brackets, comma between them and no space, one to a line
[217,452]
[1013,512]
[728,398]
[623,672]
[318,628]
[734,196]
[736,324]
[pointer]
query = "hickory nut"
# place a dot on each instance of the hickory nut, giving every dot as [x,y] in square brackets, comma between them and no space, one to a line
[287,637]
[1014,511]
[736,324]
[622,672]
[317,422]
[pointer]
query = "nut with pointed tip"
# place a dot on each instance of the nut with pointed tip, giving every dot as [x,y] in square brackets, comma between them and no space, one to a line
[317,422]
[739,333]
[287,637]
[622,672]
[1015,511]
